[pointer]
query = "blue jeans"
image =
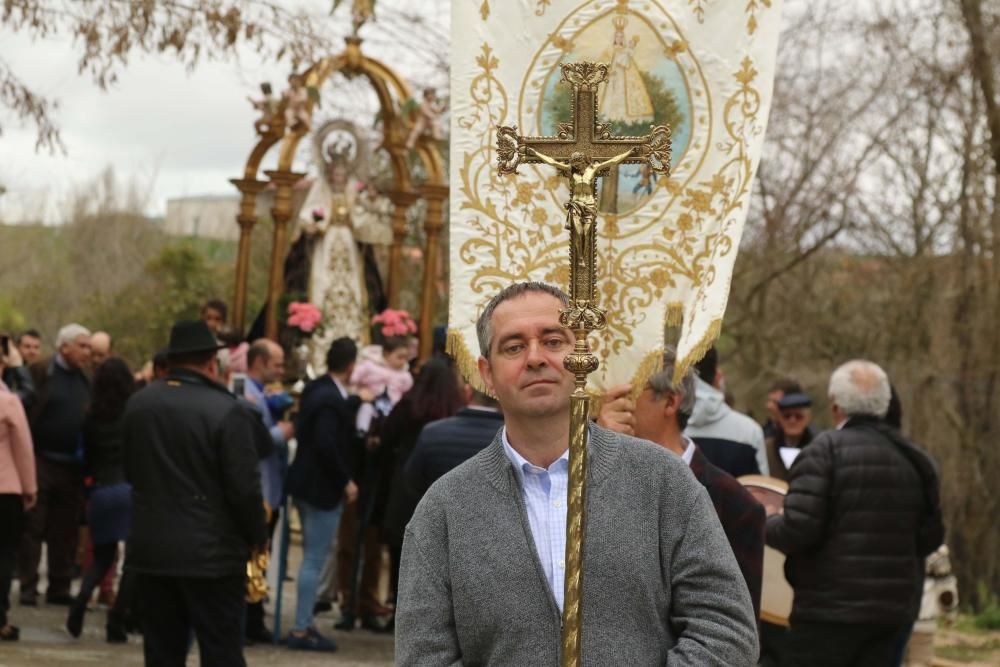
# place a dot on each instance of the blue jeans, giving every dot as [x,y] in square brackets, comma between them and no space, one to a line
[319,527]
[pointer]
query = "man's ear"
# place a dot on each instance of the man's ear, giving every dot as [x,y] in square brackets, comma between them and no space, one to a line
[671,405]
[467,392]
[486,373]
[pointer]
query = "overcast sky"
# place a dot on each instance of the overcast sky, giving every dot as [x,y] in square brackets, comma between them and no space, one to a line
[171,132]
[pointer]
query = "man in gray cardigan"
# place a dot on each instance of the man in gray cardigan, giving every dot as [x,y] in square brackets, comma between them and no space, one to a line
[482,572]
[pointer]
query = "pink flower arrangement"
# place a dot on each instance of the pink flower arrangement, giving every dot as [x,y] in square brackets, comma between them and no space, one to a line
[304,316]
[395,322]
[318,214]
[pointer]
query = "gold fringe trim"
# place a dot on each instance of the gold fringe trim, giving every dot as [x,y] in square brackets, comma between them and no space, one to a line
[468,363]
[674,315]
[699,350]
[651,364]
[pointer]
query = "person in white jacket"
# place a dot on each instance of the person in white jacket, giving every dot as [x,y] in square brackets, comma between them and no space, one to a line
[722,433]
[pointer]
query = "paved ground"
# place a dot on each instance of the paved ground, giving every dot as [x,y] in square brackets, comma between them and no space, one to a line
[45,642]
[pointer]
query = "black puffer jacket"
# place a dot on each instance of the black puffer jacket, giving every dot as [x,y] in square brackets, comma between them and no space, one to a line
[191,457]
[861,514]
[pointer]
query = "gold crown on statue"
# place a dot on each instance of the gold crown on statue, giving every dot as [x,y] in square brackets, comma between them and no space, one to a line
[619,22]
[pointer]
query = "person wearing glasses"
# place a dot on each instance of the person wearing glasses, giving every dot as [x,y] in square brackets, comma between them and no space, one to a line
[793,433]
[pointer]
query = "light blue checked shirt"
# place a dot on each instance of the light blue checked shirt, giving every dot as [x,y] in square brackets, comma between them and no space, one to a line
[545,501]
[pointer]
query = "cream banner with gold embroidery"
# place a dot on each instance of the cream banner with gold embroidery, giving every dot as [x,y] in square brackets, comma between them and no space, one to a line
[666,246]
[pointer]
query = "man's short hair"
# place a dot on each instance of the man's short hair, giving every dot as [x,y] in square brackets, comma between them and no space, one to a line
[343,352]
[663,384]
[31,333]
[483,399]
[217,305]
[860,388]
[786,386]
[708,366]
[70,333]
[484,325]
[259,349]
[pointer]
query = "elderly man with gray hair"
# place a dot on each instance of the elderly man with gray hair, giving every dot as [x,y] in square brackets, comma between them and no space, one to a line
[661,411]
[62,391]
[861,514]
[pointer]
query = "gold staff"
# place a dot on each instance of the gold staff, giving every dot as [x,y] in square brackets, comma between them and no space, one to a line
[583,150]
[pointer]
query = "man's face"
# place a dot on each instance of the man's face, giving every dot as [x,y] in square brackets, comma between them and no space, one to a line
[772,404]
[30,349]
[794,421]
[525,366]
[76,353]
[274,368]
[100,348]
[213,318]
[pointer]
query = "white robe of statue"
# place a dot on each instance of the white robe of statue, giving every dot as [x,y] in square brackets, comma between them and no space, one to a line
[624,97]
[336,272]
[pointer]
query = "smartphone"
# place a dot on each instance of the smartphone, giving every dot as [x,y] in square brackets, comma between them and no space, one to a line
[238,384]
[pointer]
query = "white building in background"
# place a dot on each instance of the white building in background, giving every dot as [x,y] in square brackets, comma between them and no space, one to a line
[214,216]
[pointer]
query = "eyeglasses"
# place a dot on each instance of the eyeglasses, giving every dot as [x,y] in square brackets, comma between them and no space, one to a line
[793,416]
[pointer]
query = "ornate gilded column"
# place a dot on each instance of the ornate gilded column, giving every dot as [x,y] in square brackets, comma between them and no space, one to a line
[246,219]
[401,201]
[433,223]
[280,213]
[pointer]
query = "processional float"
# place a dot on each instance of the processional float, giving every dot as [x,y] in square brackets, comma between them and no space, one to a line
[287,124]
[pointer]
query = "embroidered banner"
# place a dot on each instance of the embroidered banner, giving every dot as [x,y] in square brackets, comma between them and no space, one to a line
[666,245]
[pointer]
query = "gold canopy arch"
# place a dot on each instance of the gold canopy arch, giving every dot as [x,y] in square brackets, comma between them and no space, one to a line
[386,83]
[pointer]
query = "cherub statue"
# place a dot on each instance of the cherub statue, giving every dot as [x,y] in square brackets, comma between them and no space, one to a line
[267,106]
[296,111]
[425,121]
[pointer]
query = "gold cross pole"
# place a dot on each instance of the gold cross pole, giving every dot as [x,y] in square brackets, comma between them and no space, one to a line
[583,150]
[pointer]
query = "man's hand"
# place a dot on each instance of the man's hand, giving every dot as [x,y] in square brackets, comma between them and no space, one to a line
[618,410]
[366,395]
[287,429]
[29,500]
[350,492]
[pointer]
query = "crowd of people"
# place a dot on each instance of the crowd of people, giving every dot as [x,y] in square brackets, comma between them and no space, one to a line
[437,511]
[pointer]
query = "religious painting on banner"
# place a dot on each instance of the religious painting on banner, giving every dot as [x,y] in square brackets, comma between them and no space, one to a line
[666,245]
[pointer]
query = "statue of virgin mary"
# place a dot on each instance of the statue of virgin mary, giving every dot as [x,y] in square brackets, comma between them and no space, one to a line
[624,97]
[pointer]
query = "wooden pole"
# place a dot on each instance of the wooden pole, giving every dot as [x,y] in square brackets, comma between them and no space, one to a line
[246,219]
[401,201]
[280,213]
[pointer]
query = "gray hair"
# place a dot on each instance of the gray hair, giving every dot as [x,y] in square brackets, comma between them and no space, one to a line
[662,384]
[860,387]
[70,333]
[484,325]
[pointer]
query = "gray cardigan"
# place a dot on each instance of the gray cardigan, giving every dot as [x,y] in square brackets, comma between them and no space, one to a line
[660,583]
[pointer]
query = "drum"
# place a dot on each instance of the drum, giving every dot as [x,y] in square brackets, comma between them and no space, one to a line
[776,593]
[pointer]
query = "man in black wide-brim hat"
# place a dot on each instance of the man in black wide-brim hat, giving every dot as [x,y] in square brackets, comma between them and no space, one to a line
[197,506]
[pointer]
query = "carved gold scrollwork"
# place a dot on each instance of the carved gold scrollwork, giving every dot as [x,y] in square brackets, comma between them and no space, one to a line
[508,149]
[584,75]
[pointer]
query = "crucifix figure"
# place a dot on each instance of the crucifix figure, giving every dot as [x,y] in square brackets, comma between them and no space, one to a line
[583,150]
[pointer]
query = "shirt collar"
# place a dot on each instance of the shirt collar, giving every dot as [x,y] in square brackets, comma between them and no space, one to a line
[341,387]
[689,450]
[522,464]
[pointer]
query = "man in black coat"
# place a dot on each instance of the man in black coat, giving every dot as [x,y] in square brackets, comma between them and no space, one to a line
[197,510]
[447,443]
[320,477]
[861,514]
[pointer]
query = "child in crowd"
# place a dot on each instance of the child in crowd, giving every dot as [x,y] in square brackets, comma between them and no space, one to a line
[385,368]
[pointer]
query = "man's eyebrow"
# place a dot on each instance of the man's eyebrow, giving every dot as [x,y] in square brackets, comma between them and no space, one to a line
[509,337]
[551,330]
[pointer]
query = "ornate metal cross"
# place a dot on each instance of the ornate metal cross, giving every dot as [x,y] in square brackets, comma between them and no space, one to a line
[583,150]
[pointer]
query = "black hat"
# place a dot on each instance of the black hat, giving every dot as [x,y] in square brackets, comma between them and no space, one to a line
[796,400]
[188,336]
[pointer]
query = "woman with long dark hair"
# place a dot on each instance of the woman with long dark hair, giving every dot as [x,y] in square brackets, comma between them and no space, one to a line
[109,509]
[436,394]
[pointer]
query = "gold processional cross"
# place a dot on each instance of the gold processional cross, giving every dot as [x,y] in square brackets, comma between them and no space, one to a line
[583,150]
